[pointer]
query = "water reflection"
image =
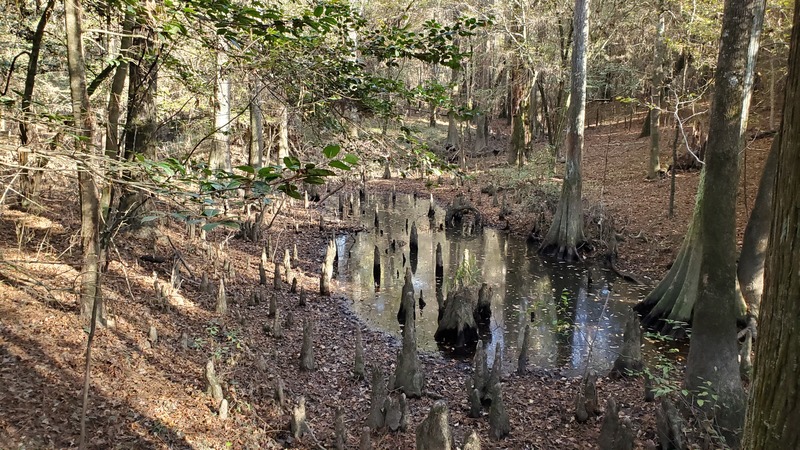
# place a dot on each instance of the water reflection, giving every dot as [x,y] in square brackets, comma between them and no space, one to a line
[576,314]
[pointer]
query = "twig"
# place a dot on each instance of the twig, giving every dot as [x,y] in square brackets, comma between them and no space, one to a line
[332,192]
[314,437]
[178,254]
[88,366]
[124,271]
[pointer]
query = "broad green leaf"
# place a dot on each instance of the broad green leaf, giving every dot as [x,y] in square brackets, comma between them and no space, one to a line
[330,151]
[245,168]
[210,226]
[291,162]
[339,165]
[264,171]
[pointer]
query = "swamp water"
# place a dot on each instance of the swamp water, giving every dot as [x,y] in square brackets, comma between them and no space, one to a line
[577,315]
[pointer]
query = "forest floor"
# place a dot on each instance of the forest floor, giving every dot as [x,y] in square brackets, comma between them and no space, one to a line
[147,395]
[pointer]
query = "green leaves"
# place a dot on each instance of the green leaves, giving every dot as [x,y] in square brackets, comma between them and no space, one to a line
[338,165]
[330,151]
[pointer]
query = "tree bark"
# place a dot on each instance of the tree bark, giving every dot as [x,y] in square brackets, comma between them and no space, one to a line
[775,395]
[668,307]
[84,120]
[256,145]
[283,134]
[516,150]
[533,108]
[221,151]
[713,352]
[673,300]
[750,270]
[30,74]
[566,231]
[112,148]
[452,125]
[654,166]
[29,179]
[141,125]
[481,139]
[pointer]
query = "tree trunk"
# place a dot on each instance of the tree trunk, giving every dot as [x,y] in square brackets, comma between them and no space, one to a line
[566,231]
[30,74]
[533,109]
[750,270]
[283,134]
[142,123]
[673,300]
[221,151]
[546,114]
[452,125]
[775,394]
[256,145]
[141,126]
[670,304]
[713,352]
[84,119]
[654,166]
[112,147]
[481,139]
[30,175]
[516,150]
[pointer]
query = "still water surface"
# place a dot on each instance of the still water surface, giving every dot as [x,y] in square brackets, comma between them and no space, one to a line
[576,313]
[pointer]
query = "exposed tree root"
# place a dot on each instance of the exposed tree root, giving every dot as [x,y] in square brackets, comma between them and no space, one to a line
[561,252]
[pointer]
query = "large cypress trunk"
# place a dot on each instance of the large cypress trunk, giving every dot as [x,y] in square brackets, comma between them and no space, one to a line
[566,231]
[775,395]
[750,270]
[713,353]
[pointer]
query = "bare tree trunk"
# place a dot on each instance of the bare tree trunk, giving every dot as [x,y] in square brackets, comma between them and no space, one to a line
[533,108]
[452,125]
[481,139]
[140,129]
[772,79]
[654,166]
[750,269]
[283,134]
[221,151]
[84,119]
[30,175]
[566,231]
[90,214]
[517,144]
[256,144]
[112,147]
[713,352]
[30,74]
[142,123]
[775,393]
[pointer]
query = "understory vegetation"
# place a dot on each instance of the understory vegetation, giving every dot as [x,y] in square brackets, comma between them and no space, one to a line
[587,202]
